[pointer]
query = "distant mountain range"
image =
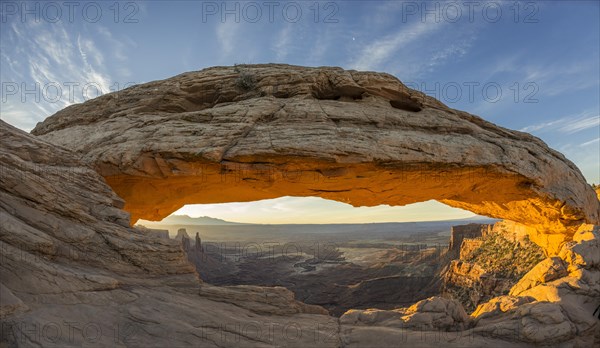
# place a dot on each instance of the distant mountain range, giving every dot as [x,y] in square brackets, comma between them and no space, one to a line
[188,220]
[207,220]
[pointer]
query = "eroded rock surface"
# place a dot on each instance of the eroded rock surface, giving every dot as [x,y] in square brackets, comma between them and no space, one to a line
[70,259]
[434,313]
[73,273]
[554,301]
[491,262]
[252,132]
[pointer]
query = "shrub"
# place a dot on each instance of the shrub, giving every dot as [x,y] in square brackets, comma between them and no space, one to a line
[246,81]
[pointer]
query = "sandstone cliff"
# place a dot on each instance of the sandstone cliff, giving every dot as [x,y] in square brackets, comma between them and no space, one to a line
[491,262]
[71,261]
[252,132]
[551,305]
[73,273]
[461,232]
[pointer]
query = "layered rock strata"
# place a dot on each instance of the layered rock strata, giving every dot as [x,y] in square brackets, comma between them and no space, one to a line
[73,273]
[263,131]
[250,132]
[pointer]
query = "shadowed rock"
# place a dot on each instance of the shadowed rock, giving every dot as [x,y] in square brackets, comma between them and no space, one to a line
[362,138]
[204,137]
[71,263]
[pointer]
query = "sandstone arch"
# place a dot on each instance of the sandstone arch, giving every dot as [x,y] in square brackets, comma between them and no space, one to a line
[263,131]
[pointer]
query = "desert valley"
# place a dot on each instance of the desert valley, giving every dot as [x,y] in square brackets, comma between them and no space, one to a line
[338,267]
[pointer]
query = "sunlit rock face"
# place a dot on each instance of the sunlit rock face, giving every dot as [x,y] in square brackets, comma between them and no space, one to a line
[252,132]
[231,134]
[554,301]
[551,305]
[491,260]
[68,252]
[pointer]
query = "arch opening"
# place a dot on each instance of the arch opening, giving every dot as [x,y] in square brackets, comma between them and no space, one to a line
[341,264]
[199,138]
[487,191]
[315,210]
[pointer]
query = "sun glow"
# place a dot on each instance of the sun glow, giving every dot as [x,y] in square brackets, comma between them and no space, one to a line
[302,210]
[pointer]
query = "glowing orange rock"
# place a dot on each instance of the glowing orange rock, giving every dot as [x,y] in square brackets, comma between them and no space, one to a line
[231,134]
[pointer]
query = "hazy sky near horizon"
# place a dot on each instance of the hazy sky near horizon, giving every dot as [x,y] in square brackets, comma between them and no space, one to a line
[531,66]
[317,210]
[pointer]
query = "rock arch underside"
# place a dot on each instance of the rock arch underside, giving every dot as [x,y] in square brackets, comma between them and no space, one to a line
[71,190]
[251,132]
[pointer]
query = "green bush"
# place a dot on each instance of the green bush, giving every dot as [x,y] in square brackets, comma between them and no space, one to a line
[507,259]
[246,81]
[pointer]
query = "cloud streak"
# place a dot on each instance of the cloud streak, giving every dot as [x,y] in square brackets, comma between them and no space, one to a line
[380,51]
[54,60]
[226,34]
[282,44]
[591,142]
[567,125]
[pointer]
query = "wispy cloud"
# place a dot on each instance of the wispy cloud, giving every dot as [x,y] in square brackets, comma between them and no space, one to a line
[591,142]
[586,156]
[87,47]
[554,77]
[567,125]
[282,44]
[542,126]
[371,57]
[415,47]
[456,49]
[51,56]
[226,35]
[117,46]
[582,124]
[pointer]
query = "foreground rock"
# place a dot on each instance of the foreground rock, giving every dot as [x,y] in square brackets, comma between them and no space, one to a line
[73,273]
[262,131]
[432,314]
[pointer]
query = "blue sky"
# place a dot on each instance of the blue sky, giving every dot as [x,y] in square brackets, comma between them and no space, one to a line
[531,66]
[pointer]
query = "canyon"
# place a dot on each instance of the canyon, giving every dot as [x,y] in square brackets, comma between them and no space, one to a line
[76,272]
[338,267]
[356,266]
